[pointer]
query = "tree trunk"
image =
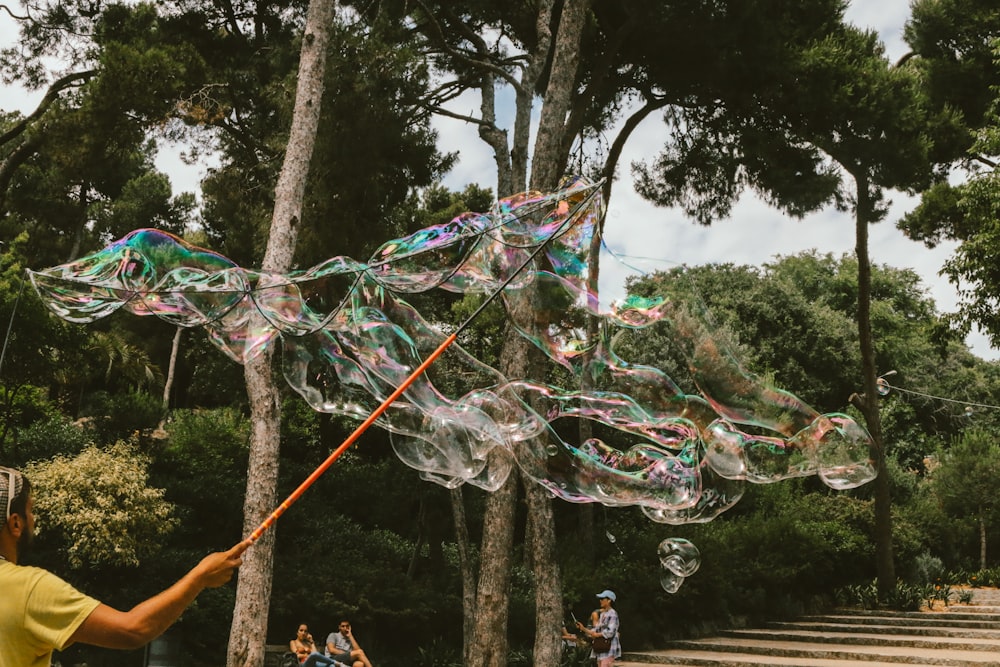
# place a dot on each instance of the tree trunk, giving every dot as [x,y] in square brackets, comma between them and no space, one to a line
[884,565]
[542,548]
[525,96]
[548,163]
[253,590]
[467,569]
[982,538]
[495,137]
[550,154]
[175,347]
[489,635]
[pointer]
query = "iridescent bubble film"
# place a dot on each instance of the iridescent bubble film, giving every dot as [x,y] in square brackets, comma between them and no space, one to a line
[349,339]
[679,559]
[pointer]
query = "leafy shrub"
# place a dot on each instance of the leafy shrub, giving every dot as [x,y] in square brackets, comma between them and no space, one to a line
[928,569]
[49,437]
[902,597]
[437,654]
[21,407]
[861,595]
[118,416]
[990,577]
[99,506]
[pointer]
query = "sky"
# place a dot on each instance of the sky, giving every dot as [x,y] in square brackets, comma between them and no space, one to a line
[753,235]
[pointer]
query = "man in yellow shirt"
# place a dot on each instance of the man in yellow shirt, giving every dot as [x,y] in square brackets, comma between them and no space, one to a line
[39,612]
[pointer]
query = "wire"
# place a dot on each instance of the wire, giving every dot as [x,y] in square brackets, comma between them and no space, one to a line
[942,398]
[570,220]
[10,325]
[622,259]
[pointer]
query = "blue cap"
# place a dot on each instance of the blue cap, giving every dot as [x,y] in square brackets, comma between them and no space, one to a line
[607,594]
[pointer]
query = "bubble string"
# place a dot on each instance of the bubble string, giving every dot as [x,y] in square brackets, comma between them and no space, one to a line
[380,410]
[349,342]
[350,440]
[833,446]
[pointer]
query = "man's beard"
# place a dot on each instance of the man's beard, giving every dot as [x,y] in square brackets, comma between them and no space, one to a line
[24,542]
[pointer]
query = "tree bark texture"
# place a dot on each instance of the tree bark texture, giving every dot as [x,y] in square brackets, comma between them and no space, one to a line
[467,568]
[175,347]
[551,144]
[489,636]
[542,549]
[253,591]
[884,564]
[253,588]
[982,538]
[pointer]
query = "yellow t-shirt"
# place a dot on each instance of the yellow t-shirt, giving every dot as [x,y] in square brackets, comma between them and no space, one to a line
[39,612]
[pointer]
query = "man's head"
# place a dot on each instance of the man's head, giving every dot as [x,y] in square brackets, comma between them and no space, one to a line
[15,498]
[345,628]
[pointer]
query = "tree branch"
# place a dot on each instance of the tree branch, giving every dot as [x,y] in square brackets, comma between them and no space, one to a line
[16,158]
[51,96]
[13,15]
[458,55]
[985,160]
[468,119]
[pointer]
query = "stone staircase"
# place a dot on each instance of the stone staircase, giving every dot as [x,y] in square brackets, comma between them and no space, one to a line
[954,636]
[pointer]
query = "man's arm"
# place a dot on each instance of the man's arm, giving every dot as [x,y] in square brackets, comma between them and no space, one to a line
[109,628]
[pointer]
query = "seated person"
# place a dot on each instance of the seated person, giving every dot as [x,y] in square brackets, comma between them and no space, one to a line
[343,647]
[568,638]
[304,649]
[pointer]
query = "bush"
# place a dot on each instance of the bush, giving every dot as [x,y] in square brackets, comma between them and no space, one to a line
[903,597]
[928,569]
[50,437]
[120,416]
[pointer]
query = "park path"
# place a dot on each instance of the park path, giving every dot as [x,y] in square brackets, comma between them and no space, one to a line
[955,636]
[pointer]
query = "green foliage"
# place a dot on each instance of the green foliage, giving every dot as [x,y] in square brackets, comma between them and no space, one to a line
[121,415]
[956,45]
[49,437]
[968,479]
[902,597]
[928,569]
[98,507]
[437,654]
[989,578]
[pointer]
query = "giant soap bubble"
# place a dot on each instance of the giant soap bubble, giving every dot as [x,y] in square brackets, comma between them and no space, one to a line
[349,339]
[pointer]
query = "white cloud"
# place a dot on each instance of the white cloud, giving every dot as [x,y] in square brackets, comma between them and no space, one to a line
[656,238]
[755,234]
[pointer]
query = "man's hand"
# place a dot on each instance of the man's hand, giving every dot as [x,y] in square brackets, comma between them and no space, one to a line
[110,628]
[216,569]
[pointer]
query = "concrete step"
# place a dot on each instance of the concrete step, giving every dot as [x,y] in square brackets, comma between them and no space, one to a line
[723,651]
[726,659]
[974,612]
[913,631]
[871,639]
[918,619]
[707,659]
[967,637]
